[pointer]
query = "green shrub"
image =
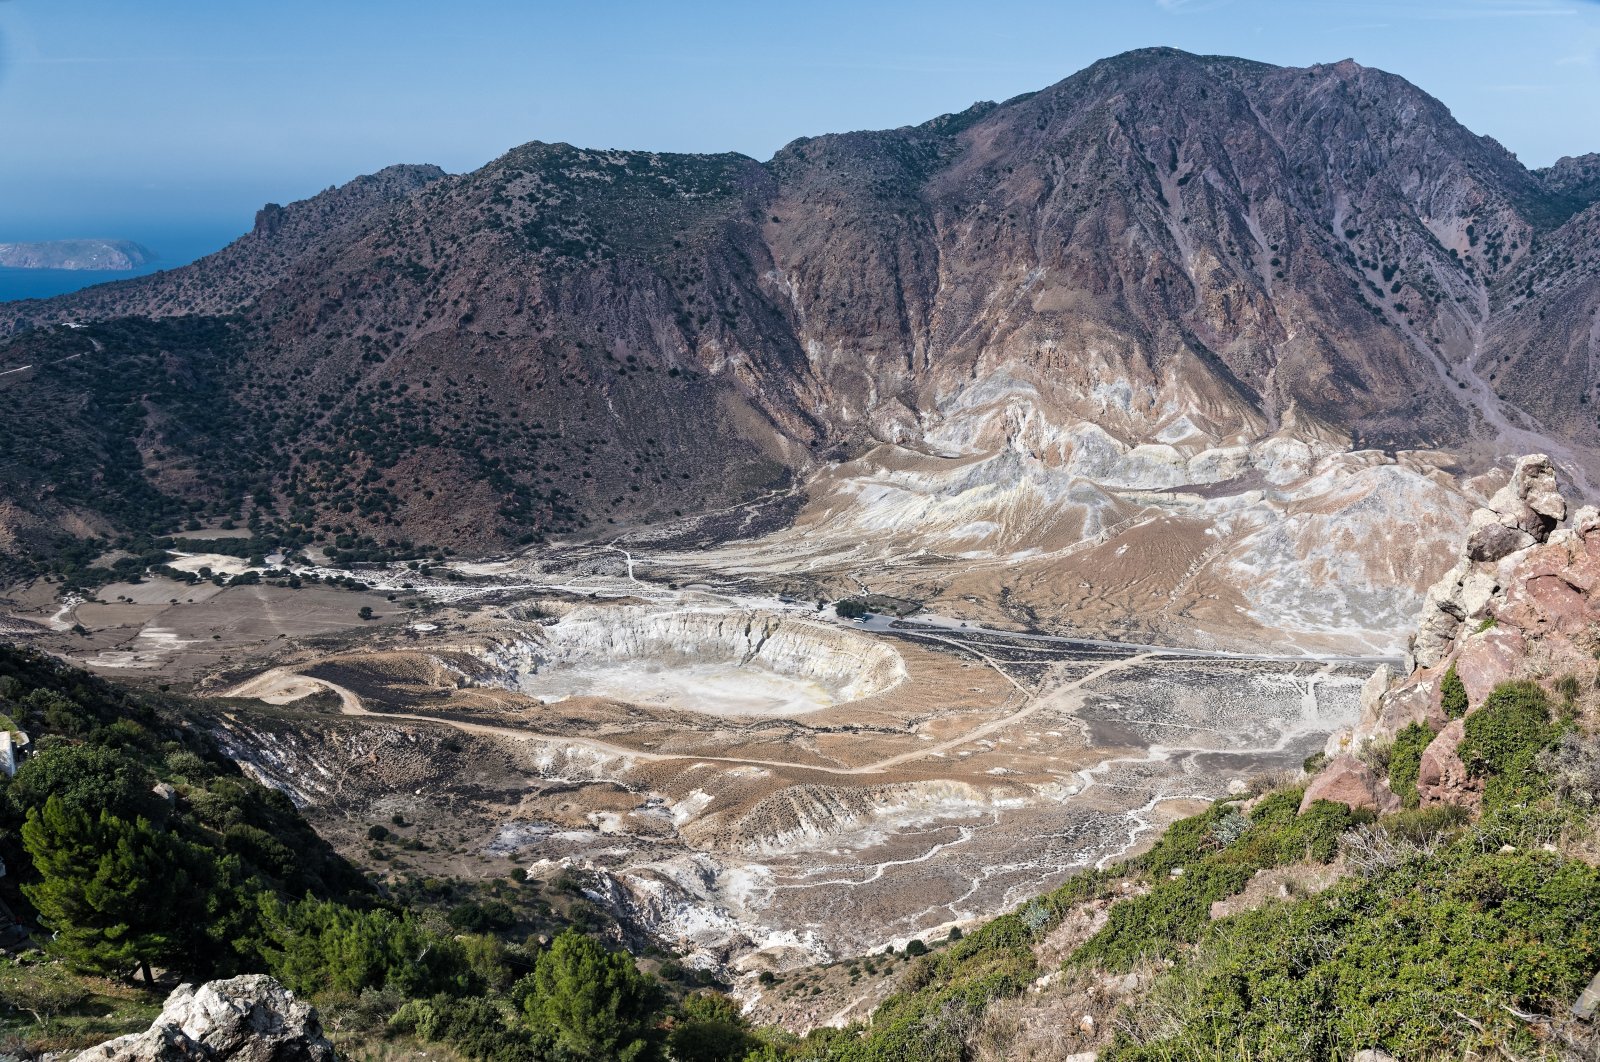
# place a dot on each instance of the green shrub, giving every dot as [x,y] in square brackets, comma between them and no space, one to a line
[1511,726]
[1405,761]
[1420,825]
[476,1028]
[589,1001]
[317,946]
[710,1029]
[474,917]
[851,608]
[1170,915]
[1217,860]
[1474,933]
[1452,694]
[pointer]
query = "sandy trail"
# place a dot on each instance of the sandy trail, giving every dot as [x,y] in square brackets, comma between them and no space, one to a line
[98,347]
[1030,706]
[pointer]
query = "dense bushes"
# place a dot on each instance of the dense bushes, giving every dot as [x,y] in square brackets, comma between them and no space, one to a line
[1503,740]
[317,946]
[126,877]
[591,1002]
[1209,858]
[1511,724]
[1422,959]
[1217,852]
[1442,937]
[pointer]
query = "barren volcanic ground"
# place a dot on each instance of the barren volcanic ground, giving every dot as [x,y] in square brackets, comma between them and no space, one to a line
[752,780]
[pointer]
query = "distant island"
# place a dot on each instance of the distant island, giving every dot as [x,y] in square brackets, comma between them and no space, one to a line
[76,254]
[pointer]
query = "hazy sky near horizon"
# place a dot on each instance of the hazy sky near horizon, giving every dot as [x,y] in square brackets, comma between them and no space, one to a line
[175,116]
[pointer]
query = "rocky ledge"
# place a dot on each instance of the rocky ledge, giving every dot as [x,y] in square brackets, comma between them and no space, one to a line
[244,1019]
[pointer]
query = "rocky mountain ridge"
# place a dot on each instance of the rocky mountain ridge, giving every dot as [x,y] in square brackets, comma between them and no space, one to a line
[1166,272]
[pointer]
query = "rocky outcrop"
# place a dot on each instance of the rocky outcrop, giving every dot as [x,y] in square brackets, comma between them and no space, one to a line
[1346,780]
[1442,777]
[243,1019]
[1520,600]
[1521,514]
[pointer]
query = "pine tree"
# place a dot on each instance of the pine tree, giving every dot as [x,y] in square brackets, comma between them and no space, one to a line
[592,1002]
[115,892]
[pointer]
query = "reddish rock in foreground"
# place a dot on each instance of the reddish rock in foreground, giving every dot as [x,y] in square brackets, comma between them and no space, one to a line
[1442,777]
[1346,780]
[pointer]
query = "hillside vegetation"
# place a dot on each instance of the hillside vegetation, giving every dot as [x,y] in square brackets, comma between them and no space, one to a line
[148,857]
[1445,932]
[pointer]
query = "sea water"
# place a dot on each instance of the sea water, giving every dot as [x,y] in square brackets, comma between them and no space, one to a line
[44,283]
[173,248]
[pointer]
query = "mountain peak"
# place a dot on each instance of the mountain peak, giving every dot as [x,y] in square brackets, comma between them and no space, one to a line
[1164,246]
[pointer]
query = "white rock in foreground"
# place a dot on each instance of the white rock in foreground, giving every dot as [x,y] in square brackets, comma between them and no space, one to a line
[243,1019]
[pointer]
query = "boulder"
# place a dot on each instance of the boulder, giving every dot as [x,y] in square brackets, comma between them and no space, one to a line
[1532,500]
[1442,776]
[1372,692]
[1494,541]
[1348,781]
[1388,705]
[1588,1002]
[1462,593]
[1495,656]
[243,1019]
[1586,521]
[1477,591]
[1521,514]
[1535,479]
[1549,589]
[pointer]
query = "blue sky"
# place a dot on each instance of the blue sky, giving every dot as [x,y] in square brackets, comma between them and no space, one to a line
[172,120]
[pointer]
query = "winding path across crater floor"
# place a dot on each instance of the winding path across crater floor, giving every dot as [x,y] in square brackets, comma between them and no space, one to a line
[278,681]
[900,857]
